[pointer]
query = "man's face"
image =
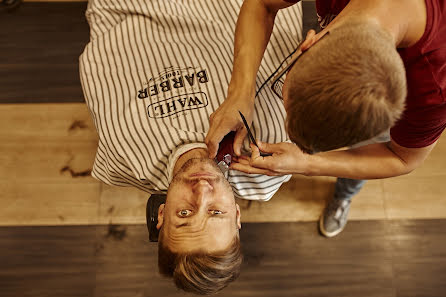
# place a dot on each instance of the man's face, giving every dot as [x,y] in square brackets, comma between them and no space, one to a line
[200,213]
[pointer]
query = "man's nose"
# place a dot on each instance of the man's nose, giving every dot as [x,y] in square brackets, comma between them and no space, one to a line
[202,189]
[202,185]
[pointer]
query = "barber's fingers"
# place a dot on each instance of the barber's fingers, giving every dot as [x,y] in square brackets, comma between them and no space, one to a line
[262,165]
[247,168]
[309,40]
[259,161]
[248,160]
[269,147]
[310,33]
[238,140]
[213,138]
[212,148]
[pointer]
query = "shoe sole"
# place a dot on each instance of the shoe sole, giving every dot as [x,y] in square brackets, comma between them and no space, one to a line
[325,232]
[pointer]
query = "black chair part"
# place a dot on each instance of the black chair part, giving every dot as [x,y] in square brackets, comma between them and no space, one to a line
[153,204]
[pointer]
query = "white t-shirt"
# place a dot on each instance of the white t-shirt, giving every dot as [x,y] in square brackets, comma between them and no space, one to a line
[152,74]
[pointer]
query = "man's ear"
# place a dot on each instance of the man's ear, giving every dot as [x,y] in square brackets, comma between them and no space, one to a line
[238,216]
[160,216]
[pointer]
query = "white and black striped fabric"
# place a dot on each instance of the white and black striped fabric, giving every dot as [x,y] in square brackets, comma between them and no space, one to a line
[152,74]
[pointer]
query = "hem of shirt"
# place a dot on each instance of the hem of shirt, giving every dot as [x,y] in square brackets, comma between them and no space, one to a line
[413,146]
[268,196]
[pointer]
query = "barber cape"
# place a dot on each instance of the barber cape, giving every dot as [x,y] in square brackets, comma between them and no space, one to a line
[152,74]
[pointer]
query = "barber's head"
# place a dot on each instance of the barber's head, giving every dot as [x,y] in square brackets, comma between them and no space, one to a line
[347,87]
[199,226]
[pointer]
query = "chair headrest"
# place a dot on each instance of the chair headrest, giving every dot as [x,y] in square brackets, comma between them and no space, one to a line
[154,202]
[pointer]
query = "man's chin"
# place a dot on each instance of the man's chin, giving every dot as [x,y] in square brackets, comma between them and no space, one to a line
[199,167]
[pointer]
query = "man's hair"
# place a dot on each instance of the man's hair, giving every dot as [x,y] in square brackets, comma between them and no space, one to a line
[349,87]
[200,272]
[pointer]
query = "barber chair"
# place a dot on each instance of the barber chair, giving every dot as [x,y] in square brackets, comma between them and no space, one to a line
[153,204]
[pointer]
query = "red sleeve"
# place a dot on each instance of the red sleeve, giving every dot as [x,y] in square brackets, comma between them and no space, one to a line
[420,128]
[327,10]
[332,7]
[424,119]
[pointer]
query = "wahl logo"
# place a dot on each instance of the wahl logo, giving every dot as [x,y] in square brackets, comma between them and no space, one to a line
[173,79]
[177,104]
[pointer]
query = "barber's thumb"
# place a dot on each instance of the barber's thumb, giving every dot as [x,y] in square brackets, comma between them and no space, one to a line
[212,149]
[266,147]
[310,33]
[238,141]
[309,40]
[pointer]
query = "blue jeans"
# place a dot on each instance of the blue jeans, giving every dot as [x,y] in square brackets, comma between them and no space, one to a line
[346,188]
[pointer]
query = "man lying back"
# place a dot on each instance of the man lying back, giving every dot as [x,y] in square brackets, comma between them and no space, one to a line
[152,74]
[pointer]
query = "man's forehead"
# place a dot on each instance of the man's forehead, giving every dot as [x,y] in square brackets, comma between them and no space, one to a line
[199,226]
[213,235]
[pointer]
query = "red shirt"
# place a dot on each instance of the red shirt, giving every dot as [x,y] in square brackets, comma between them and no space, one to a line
[424,118]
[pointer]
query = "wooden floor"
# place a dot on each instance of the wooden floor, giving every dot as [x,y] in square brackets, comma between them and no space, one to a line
[393,258]
[47,148]
[65,234]
[39,50]
[47,151]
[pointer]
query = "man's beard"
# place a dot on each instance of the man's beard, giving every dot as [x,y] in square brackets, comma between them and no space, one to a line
[189,163]
[194,161]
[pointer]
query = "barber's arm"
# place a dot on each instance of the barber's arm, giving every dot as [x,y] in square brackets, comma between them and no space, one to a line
[372,161]
[253,30]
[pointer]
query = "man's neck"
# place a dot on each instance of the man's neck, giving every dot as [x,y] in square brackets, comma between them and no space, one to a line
[192,154]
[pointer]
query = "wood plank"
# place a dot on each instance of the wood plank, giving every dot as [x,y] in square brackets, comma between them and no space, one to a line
[49,204]
[415,197]
[56,162]
[45,38]
[122,205]
[38,141]
[371,258]
[281,259]
[55,0]
[46,122]
[47,262]
[41,43]
[46,155]
[419,257]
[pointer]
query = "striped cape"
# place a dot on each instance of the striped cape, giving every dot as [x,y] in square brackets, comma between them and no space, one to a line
[152,74]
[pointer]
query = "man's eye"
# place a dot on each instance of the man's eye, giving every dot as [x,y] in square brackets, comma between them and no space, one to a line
[216,212]
[184,213]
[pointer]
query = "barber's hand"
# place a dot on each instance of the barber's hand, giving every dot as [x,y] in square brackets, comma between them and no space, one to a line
[226,119]
[286,158]
[310,39]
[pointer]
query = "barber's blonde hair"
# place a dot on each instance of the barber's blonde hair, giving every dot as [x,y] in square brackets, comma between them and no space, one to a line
[199,272]
[349,87]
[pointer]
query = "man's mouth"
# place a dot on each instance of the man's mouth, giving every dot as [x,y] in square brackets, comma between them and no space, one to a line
[202,174]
